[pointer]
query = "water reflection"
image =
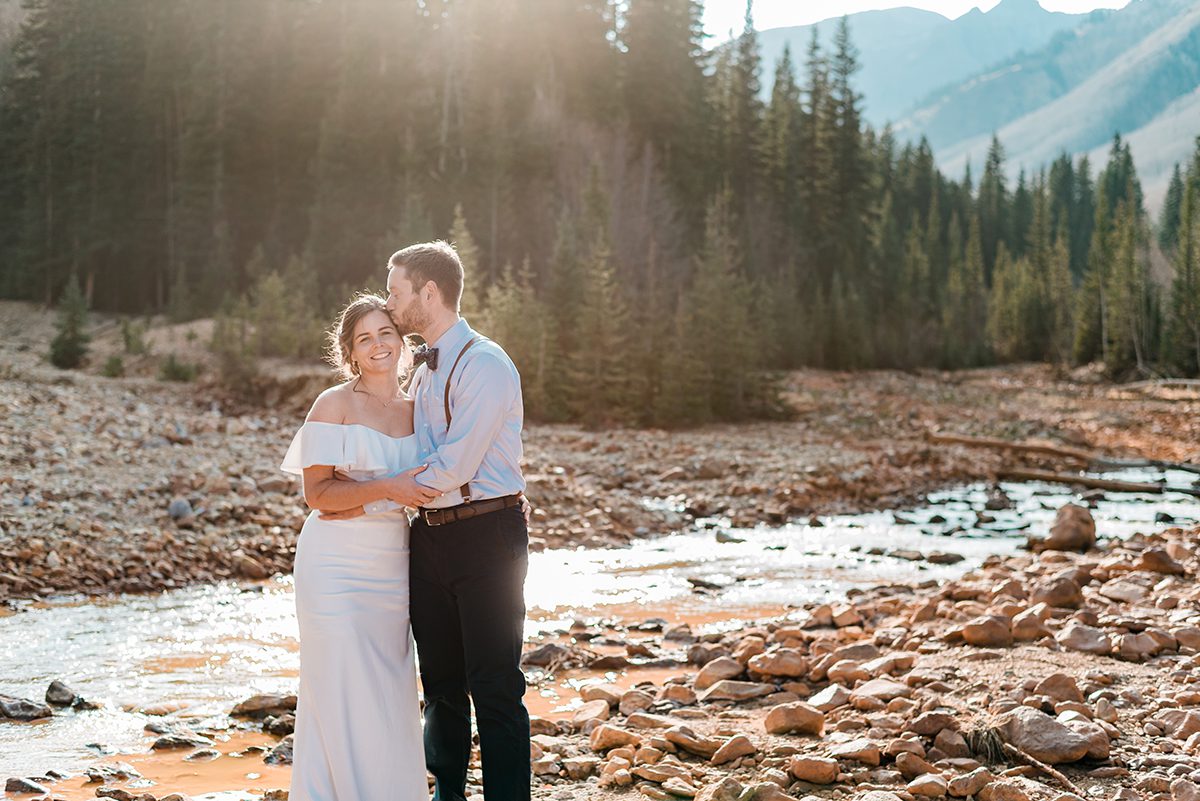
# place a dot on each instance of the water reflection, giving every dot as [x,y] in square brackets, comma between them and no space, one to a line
[202,649]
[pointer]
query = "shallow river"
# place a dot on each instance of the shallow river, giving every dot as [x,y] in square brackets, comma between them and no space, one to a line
[202,649]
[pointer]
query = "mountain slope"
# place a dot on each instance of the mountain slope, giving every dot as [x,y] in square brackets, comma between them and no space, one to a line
[1146,91]
[907,53]
[1023,84]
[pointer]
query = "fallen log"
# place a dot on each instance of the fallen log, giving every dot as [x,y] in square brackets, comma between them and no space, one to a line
[1114,485]
[1104,463]
[1094,460]
[1045,449]
[1164,383]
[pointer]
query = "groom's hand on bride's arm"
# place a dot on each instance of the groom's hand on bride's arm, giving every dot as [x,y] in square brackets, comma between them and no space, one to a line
[404,489]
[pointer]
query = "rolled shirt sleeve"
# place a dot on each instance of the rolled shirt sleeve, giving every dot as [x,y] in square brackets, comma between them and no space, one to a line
[486,392]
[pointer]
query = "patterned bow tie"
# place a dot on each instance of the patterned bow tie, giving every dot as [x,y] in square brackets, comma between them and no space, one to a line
[427,355]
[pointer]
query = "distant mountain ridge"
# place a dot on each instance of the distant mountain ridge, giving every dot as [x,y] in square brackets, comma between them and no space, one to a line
[908,53]
[1045,82]
[1135,71]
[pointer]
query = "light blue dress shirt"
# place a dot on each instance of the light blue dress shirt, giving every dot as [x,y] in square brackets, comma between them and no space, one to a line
[483,444]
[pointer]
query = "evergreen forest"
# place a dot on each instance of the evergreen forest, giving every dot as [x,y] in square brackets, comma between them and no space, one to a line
[651,227]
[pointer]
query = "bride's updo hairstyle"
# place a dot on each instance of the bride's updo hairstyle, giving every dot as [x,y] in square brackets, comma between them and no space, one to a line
[340,339]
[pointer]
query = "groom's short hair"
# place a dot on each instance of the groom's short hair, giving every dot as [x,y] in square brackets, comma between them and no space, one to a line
[432,261]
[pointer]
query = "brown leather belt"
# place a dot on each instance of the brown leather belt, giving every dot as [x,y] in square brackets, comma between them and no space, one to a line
[465,511]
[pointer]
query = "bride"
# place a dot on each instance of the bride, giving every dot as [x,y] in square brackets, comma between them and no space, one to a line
[358,729]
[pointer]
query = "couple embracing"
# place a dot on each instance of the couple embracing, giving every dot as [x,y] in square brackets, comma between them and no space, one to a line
[449,448]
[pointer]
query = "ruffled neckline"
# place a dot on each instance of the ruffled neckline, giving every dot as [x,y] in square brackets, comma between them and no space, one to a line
[360,425]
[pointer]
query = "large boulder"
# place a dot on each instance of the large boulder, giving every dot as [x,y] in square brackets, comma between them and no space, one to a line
[728,789]
[1041,736]
[784,662]
[988,631]
[59,694]
[727,690]
[814,769]
[1074,529]
[735,747]
[605,737]
[262,706]
[719,669]
[21,709]
[1060,687]
[795,718]
[1078,637]
[1062,592]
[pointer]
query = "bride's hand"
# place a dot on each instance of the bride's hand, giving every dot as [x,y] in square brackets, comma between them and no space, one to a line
[404,489]
[526,509]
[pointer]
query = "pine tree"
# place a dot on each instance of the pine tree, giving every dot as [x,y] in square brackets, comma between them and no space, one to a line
[70,344]
[1128,290]
[965,310]
[851,169]
[516,318]
[1083,218]
[742,141]
[682,398]
[599,391]
[1004,307]
[1061,299]
[719,322]
[662,83]
[1039,328]
[781,155]
[994,224]
[1091,310]
[818,125]
[475,291]
[850,344]
[1170,222]
[914,305]
[1021,218]
[1183,334]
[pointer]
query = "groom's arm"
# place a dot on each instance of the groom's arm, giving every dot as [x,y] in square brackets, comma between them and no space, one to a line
[489,387]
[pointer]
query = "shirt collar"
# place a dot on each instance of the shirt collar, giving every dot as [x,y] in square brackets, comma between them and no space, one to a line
[454,338]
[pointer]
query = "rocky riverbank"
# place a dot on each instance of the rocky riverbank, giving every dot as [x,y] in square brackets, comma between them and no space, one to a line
[1057,674]
[135,484]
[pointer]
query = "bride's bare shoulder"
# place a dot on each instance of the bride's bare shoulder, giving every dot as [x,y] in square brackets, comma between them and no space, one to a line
[331,406]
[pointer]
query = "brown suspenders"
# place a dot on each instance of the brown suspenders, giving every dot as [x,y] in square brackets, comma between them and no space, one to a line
[465,489]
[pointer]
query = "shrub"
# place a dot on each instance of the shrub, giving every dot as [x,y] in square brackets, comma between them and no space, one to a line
[70,345]
[114,367]
[133,334]
[174,370]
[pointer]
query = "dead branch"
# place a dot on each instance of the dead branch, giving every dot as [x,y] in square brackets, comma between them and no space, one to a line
[1094,460]
[1045,449]
[1020,756]
[1164,383]
[1114,485]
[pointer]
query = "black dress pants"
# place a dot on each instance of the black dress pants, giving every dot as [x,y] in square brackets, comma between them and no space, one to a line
[468,613]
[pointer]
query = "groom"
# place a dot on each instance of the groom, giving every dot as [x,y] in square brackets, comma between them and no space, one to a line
[469,545]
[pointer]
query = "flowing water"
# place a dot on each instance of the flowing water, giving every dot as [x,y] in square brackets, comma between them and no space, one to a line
[195,652]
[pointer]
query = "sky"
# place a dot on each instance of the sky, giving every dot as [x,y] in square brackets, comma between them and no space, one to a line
[721,16]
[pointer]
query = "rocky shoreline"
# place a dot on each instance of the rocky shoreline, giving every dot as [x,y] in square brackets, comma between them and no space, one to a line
[1057,674]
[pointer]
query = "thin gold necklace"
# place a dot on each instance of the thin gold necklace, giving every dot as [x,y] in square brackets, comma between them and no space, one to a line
[369,394]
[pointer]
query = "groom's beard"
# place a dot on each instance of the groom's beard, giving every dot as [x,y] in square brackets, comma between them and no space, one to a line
[411,319]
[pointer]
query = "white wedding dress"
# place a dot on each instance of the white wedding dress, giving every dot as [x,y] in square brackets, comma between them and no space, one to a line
[358,727]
